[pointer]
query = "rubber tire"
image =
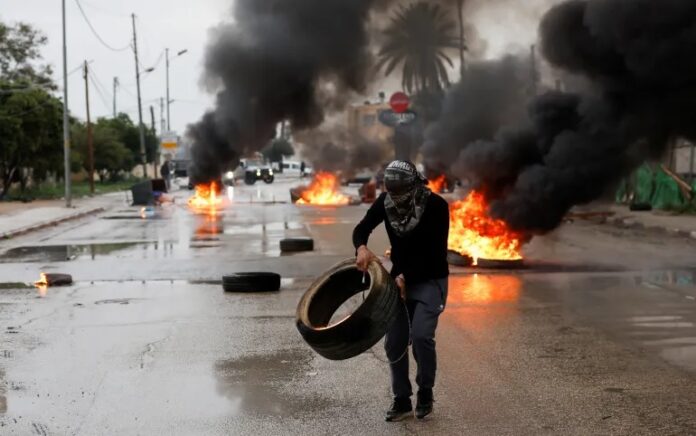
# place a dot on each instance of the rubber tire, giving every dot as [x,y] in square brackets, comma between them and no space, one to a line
[500,264]
[269,180]
[457,259]
[251,282]
[249,180]
[362,329]
[640,207]
[294,245]
[57,279]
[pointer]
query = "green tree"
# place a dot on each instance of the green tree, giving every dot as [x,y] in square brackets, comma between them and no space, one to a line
[30,139]
[277,149]
[129,135]
[419,38]
[30,117]
[20,54]
[111,156]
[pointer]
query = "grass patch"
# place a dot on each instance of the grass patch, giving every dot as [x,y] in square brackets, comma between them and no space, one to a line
[79,189]
[14,285]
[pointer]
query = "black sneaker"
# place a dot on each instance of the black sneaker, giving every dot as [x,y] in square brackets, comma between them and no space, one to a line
[424,405]
[400,409]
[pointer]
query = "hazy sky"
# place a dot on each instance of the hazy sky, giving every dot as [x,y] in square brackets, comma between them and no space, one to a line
[179,24]
[176,24]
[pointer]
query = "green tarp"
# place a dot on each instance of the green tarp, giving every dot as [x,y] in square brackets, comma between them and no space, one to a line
[653,186]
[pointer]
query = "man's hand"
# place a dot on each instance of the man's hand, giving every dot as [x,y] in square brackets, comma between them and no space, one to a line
[401,283]
[365,256]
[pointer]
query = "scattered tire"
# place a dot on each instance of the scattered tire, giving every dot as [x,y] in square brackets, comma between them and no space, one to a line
[640,207]
[251,282]
[362,329]
[294,245]
[57,279]
[457,259]
[500,264]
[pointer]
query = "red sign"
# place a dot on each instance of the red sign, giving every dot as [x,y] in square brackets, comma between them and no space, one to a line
[399,102]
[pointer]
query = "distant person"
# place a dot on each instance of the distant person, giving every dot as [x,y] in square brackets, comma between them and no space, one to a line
[166,173]
[303,168]
[417,223]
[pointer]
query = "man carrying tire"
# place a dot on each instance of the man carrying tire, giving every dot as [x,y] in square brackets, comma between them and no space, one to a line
[417,223]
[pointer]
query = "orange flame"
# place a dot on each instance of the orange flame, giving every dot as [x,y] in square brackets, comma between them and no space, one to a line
[206,197]
[474,233]
[323,191]
[438,185]
[42,284]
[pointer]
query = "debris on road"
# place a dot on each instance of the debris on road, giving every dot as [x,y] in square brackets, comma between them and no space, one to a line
[251,282]
[293,245]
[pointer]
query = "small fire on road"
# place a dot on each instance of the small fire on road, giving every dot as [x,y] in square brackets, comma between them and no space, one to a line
[42,284]
[474,233]
[207,197]
[438,184]
[323,191]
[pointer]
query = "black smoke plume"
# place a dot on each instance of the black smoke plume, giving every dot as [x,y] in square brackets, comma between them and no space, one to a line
[571,147]
[279,60]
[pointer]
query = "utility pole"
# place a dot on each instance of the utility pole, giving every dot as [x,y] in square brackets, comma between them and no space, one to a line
[143,157]
[66,121]
[163,123]
[115,91]
[90,142]
[166,58]
[154,132]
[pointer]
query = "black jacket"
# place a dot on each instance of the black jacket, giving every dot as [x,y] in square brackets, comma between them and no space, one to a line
[421,255]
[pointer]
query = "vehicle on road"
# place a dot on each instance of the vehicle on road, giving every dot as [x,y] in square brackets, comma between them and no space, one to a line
[292,168]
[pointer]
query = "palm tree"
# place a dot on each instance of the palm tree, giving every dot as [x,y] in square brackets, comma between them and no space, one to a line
[419,37]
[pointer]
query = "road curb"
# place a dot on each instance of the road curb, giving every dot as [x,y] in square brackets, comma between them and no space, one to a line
[42,225]
[633,223]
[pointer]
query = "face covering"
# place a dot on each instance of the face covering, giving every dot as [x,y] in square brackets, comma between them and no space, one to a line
[406,197]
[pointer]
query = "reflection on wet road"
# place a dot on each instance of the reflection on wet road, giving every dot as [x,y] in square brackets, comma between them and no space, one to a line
[595,335]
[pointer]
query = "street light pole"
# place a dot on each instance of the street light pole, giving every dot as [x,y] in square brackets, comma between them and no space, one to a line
[166,55]
[66,121]
[143,157]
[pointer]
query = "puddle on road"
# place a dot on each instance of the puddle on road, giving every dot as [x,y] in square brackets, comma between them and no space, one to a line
[62,253]
[253,383]
[655,309]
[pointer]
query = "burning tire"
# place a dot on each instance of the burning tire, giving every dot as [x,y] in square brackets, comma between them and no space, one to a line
[251,282]
[363,328]
[457,259]
[294,245]
[500,264]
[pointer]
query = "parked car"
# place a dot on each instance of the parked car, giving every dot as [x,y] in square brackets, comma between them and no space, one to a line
[292,168]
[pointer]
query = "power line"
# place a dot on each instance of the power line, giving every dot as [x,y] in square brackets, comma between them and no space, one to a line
[100,92]
[95,32]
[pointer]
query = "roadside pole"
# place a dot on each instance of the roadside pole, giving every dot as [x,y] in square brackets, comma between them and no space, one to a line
[90,140]
[143,156]
[66,121]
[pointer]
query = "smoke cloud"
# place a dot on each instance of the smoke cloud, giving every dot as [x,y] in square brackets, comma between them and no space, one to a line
[569,148]
[279,60]
[338,149]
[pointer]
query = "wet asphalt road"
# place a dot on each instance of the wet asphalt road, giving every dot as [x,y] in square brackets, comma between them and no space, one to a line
[596,336]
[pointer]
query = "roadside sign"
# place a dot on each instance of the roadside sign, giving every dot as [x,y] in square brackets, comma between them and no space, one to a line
[393,119]
[169,141]
[399,102]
